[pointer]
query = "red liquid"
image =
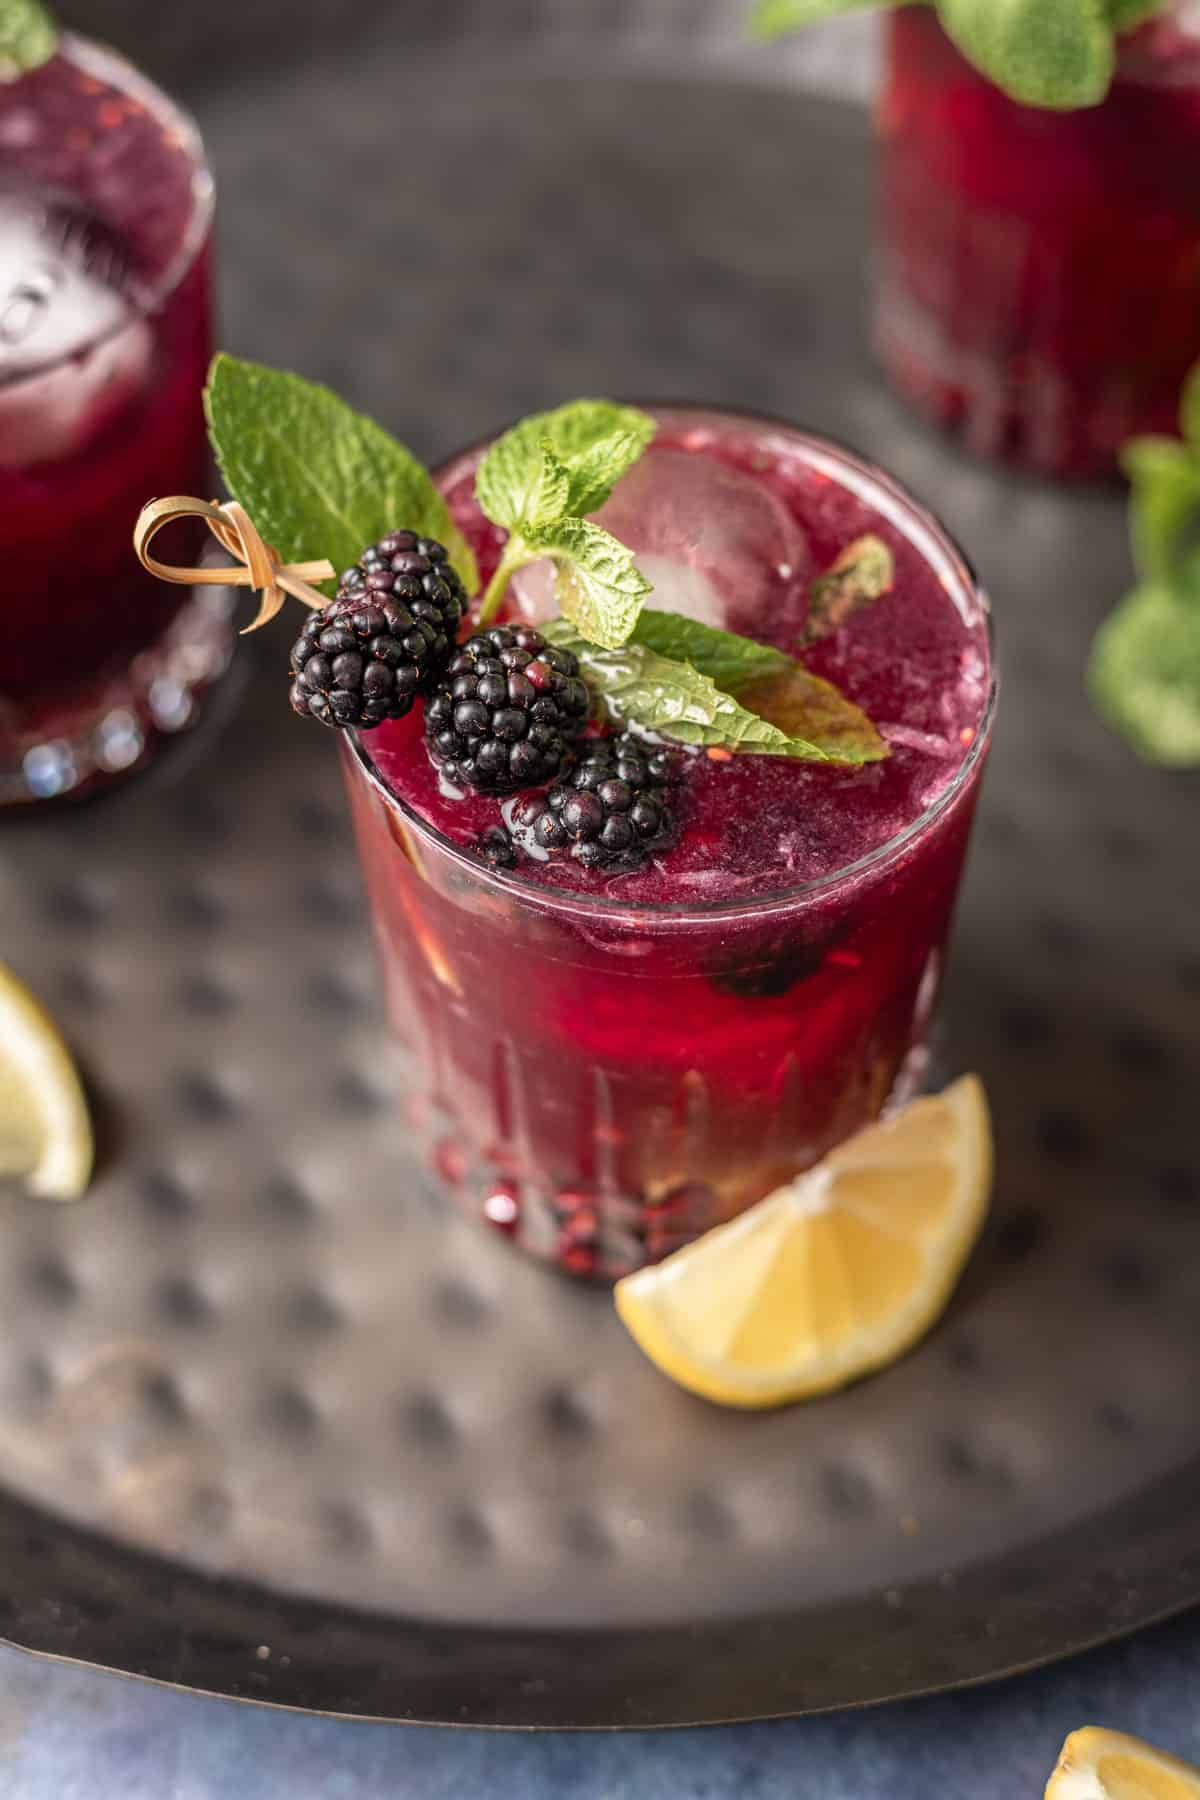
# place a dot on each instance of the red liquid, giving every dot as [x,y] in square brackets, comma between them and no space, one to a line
[612,1066]
[1039,272]
[104,342]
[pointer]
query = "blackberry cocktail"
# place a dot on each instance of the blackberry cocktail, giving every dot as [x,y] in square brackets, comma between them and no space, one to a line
[105,209]
[1039,271]
[621,1036]
[662,735]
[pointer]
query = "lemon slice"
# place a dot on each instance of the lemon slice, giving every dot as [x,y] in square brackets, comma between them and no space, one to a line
[832,1275]
[45,1132]
[1106,1765]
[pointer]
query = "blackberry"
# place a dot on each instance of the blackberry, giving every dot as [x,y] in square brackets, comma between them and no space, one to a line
[610,811]
[507,710]
[416,571]
[386,638]
[496,847]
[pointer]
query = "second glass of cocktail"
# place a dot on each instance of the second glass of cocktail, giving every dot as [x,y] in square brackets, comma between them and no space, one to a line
[105,226]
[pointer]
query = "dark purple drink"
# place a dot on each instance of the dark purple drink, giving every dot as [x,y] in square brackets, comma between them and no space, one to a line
[1039,272]
[607,1067]
[105,214]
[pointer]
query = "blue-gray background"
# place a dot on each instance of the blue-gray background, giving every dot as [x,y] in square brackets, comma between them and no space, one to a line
[67,1734]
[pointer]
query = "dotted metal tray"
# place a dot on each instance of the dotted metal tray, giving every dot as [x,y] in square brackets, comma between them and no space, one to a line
[274,1422]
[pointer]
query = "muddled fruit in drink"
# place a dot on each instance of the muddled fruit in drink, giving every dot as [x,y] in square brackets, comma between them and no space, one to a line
[646,987]
[1039,271]
[104,340]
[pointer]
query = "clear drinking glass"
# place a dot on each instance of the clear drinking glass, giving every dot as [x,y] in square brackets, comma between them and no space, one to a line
[1038,280]
[105,233]
[604,1079]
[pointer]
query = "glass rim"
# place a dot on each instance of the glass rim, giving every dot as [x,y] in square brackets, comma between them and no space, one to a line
[148,298]
[818,447]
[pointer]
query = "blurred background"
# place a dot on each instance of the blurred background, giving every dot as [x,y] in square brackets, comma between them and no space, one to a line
[389,178]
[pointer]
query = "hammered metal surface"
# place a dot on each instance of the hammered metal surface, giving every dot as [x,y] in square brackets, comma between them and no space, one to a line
[262,1347]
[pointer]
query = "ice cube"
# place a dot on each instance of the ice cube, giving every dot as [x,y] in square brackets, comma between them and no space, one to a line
[718,545]
[72,348]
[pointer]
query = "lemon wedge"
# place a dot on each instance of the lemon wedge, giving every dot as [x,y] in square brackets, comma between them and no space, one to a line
[832,1275]
[1106,1765]
[45,1131]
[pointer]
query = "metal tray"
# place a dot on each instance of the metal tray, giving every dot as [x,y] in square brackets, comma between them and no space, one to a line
[273,1422]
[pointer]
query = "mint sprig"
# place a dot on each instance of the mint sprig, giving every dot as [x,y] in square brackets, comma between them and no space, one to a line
[318,478]
[1049,53]
[537,481]
[321,481]
[596,441]
[679,697]
[1144,674]
[727,659]
[28,37]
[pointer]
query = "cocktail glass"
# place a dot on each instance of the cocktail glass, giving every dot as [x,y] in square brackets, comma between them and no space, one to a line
[105,224]
[1038,279]
[604,1079]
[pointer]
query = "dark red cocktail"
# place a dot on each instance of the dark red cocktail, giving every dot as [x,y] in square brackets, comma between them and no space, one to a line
[1039,271]
[105,214]
[605,1067]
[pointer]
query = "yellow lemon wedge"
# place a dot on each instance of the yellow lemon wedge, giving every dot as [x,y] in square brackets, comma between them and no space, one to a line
[834,1274]
[45,1131]
[1106,1765]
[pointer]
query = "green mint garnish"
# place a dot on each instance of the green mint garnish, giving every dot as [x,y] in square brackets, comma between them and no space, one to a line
[1051,53]
[600,587]
[728,660]
[27,37]
[1164,501]
[1144,674]
[861,574]
[1056,53]
[595,441]
[1125,15]
[318,478]
[537,482]
[771,18]
[808,710]
[676,697]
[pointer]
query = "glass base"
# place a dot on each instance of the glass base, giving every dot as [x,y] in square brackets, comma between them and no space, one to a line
[119,727]
[598,1232]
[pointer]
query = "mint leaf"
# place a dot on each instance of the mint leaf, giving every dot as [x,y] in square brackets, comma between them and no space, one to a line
[1164,501]
[318,478]
[1189,407]
[27,37]
[806,707]
[1124,15]
[655,693]
[1056,53]
[600,587]
[594,472]
[1145,673]
[771,18]
[858,576]
[768,683]
[595,440]
[727,659]
[638,687]
[520,485]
